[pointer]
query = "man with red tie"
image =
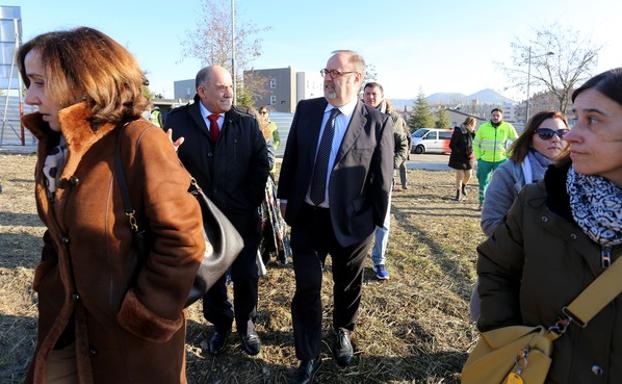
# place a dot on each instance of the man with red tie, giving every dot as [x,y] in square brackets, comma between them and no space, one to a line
[224,150]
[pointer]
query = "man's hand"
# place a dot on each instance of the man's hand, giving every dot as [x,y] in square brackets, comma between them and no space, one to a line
[283,207]
[177,143]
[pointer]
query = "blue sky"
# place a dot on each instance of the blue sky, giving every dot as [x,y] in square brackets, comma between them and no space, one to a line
[435,46]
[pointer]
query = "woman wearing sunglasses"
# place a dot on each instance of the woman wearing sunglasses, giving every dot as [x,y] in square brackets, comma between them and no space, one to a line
[560,235]
[533,151]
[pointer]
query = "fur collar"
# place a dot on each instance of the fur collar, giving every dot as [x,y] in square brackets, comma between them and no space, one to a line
[75,126]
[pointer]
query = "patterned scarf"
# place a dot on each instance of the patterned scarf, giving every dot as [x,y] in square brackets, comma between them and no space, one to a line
[53,165]
[596,205]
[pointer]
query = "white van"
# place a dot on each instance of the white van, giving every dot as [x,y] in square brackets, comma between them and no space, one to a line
[431,140]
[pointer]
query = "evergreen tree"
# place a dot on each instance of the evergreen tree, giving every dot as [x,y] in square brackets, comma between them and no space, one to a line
[421,117]
[443,119]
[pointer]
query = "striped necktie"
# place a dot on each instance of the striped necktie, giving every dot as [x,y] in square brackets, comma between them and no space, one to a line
[320,168]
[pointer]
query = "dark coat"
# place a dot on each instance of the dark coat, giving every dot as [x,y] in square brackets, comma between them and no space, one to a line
[129,319]
[461,145]
[361,178]
[233,172]
[537,262]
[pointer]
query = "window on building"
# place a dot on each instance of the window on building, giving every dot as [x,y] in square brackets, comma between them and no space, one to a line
[272,83]
[272,100]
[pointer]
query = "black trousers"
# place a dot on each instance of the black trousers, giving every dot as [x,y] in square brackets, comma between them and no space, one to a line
[311,239]
[217,308]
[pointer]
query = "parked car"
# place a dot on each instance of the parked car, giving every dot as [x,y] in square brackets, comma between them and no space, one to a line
[431,140]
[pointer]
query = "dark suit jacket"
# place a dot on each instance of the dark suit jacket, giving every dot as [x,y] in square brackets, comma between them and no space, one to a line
[361,178]
[233,172]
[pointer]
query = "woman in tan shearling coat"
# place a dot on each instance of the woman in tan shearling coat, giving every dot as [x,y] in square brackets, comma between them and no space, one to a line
[559,236]
[105,316]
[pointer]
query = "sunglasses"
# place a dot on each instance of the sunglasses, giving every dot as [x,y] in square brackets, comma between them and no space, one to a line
[548,133]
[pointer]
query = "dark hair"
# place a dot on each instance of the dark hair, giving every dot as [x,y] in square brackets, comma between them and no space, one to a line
[374,84]
[497,110]
[202,76]
[264,108]
[86,64]
[520,147]
[609,83]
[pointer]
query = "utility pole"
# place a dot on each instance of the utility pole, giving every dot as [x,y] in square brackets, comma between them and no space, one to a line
[529,78]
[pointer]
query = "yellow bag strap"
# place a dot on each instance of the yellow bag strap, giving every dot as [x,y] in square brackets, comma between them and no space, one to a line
[596,296]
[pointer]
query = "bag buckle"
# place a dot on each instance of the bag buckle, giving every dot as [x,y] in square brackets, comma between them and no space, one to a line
[131,215]
[564,321]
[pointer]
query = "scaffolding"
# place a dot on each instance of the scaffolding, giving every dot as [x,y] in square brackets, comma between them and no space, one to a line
[11,88]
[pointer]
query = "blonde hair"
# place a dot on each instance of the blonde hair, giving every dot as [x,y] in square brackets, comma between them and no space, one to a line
[469,122]
[86,64]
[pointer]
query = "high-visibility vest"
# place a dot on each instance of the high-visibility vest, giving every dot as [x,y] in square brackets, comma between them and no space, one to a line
[490,143]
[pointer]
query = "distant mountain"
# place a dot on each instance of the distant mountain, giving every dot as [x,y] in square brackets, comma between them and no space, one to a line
[489,96]
[485,96]
[399,104]
[446,98]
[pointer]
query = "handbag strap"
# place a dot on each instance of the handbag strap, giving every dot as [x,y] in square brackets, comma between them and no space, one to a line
[596,296]
[119,174]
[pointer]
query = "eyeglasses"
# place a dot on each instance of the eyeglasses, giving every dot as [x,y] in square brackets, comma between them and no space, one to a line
[334,73]
[548,133]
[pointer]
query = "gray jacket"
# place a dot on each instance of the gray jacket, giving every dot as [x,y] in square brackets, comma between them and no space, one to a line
[507,181]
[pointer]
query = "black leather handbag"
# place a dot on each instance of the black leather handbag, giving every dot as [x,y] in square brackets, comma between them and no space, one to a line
[223,242]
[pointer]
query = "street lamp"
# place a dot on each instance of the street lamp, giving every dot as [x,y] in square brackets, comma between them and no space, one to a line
[529,77]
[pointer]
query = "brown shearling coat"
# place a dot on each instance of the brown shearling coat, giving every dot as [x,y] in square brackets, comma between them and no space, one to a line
[129,328]
[537,262]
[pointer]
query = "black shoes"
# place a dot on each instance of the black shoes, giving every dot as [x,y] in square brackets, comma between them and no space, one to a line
[464,191]
[342,348]
[218,341]
[250,343]
[306,371]
[457,198]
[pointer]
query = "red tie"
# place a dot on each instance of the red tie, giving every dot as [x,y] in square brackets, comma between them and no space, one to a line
[213,126]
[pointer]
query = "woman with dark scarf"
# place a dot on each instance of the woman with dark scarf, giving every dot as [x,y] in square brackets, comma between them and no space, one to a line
[559,236]
[533,151]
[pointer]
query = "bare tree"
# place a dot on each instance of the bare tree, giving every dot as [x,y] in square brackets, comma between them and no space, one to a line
[254,87]
[560,57]
[211,43]
[370,74]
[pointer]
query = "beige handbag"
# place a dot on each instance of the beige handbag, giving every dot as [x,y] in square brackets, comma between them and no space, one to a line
[520,354]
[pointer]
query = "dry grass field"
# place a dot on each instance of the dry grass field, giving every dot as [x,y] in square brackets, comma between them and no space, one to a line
[412,328]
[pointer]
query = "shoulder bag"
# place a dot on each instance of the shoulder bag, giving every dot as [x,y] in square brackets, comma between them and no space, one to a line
[521,354]
[223,242]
